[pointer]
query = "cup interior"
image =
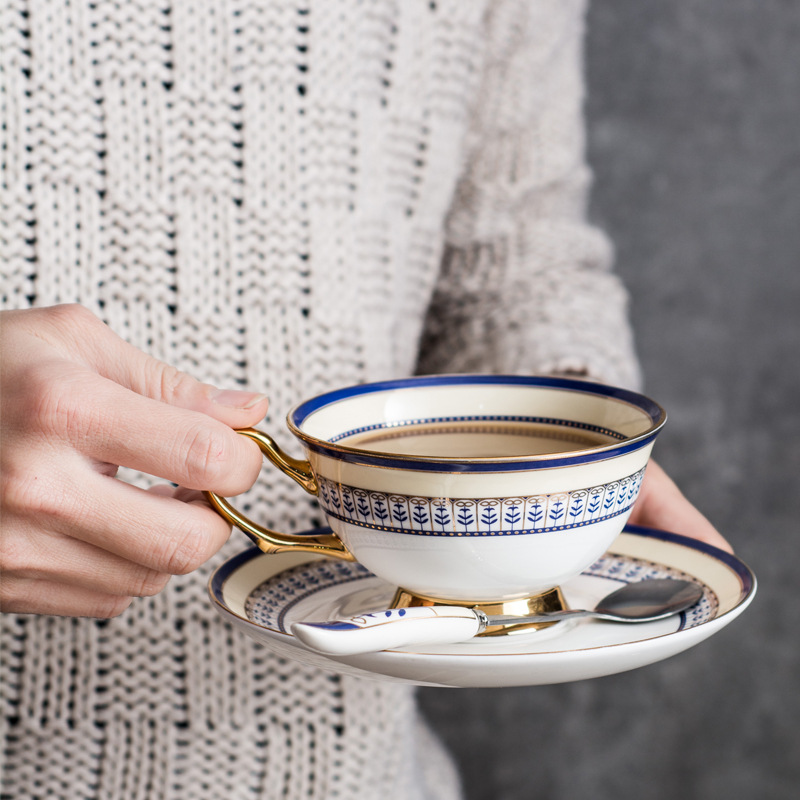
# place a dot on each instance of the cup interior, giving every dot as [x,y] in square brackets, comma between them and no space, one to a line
[478,417]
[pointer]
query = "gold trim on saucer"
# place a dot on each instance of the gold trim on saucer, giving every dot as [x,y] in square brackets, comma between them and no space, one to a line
[551,600]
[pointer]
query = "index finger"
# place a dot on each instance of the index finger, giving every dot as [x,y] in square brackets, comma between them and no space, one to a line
[109,423]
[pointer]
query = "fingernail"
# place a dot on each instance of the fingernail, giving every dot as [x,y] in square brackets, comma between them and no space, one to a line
[235,398]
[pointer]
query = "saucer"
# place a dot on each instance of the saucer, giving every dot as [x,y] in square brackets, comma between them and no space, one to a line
[265,594]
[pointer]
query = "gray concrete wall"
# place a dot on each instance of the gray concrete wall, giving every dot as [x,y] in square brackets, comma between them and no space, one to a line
[694,135]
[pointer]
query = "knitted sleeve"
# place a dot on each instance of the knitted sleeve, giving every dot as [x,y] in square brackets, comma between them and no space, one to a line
[526,283]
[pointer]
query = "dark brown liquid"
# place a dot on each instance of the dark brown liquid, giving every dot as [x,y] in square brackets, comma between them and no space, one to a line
[477,439]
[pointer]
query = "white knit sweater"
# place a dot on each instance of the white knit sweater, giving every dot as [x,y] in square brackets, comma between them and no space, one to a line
[284,195]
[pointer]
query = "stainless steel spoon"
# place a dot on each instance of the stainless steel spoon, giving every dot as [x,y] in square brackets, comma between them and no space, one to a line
[643,601]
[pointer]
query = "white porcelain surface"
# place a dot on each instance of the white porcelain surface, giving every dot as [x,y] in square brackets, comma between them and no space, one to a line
[480,569]
[264,594]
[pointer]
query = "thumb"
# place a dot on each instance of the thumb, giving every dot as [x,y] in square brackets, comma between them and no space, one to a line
[115,359]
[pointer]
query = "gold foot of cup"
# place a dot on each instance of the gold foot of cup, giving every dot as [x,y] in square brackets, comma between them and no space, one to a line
[551,600]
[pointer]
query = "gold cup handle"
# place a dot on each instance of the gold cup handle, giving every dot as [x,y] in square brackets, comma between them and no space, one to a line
[272,541]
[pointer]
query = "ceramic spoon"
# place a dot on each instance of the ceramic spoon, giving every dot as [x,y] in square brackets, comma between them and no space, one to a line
[643,601]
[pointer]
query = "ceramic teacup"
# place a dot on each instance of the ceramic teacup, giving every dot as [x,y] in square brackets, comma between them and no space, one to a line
[467,488]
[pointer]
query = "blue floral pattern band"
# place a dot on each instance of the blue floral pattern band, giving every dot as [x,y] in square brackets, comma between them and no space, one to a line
[500,516]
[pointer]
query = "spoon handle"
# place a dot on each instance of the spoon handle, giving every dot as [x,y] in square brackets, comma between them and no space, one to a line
[552,616]
[395,627]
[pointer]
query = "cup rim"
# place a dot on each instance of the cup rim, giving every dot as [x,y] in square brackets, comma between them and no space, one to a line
[306,408]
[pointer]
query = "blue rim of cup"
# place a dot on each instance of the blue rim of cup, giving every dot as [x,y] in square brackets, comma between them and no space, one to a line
[653,410]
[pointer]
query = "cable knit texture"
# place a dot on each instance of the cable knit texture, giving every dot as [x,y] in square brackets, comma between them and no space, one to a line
[286,196]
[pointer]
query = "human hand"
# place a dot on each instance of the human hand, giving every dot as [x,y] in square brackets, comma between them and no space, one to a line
[78,402]
[662,505]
